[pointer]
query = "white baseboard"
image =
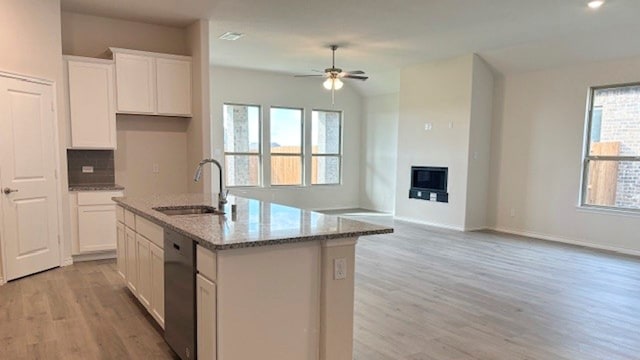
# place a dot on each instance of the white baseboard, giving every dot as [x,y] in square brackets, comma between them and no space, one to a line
[67,262]
[437,225]
[564,240]
[96,256]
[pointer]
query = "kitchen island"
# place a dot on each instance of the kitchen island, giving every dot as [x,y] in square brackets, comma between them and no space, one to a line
[271,281]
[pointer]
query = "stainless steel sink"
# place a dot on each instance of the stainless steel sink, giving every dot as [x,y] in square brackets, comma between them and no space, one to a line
[188,210]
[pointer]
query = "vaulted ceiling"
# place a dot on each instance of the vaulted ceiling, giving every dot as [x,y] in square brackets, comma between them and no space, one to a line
[382,36]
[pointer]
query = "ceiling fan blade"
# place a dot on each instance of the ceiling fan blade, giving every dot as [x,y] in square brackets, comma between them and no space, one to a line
[355,77]
[308,75]
[355,72]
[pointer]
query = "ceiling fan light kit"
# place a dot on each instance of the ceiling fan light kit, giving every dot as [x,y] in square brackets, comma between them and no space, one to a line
[334,75]
[333,84]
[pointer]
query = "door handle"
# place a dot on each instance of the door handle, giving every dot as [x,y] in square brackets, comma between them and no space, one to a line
[8,191]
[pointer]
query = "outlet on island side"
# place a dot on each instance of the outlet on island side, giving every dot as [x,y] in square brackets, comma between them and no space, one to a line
[339,269]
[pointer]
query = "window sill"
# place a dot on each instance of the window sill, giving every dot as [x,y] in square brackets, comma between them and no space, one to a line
[608,211]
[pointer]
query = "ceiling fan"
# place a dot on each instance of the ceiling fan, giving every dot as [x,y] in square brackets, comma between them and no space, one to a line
[334,75]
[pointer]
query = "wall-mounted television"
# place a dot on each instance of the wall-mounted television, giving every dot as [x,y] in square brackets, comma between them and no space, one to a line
[433,179]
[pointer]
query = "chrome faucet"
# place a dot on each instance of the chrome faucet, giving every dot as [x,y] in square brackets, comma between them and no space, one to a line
[222,196]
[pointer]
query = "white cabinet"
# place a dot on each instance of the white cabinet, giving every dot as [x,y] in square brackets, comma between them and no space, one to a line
[152,83]
[206,318]
[174,86]
[91,106]
[157,284]
[143,257]
[143,261]
[132,263]
[135,83]
[95,228]
[122,259]
[93,222]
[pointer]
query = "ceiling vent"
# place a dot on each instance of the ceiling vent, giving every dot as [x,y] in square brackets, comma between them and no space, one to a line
[231,36]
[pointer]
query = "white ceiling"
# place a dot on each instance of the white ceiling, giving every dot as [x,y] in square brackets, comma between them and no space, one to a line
[382,36]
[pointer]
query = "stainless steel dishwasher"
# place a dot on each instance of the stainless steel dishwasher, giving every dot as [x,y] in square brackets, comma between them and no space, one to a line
[179,294]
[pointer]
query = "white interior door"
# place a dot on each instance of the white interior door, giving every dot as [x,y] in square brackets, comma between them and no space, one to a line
[27,177]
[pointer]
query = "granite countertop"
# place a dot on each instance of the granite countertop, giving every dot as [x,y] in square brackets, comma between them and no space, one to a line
[95,187]
[257,223]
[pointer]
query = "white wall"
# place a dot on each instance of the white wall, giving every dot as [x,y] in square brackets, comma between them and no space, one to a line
[147,140]
[538,138]
[479,145]
[199,128]
[438,93]
[271,89]
[30,44]
[380,151]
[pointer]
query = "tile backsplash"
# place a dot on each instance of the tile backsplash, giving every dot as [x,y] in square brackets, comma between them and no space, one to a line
[101,161]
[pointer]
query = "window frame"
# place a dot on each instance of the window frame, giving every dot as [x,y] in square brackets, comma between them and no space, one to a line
[259,153]
[587,158]
[302,148]
[339,155]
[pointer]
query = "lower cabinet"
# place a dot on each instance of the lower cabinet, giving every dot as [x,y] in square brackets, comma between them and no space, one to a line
[141,261]
[144,270]
[132,260]
[157,284]
[121,249]
[206,318]
[93,222]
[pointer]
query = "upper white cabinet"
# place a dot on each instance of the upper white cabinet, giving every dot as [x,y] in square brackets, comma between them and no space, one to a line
[92,110]
[135,83]
[152,83]
[174,86]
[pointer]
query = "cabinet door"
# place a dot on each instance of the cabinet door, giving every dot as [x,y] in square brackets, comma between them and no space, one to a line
[206,318]
[97,228]
[143,252]
[92,105]
[157,284]
[174,86]
[135,84]
[132,266]
[122,250]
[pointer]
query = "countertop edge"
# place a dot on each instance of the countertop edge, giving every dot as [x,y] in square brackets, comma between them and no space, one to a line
[81,188]
[214,247]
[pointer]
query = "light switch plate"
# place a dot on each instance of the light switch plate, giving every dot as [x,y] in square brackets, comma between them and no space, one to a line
[87,169]
[155,168]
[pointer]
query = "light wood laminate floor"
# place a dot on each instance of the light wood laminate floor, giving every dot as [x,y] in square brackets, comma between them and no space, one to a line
[421,294]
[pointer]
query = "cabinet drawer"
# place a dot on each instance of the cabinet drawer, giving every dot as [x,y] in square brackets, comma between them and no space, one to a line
[130,219]
[120,214]
[206,263]
[97,197]
[151,231]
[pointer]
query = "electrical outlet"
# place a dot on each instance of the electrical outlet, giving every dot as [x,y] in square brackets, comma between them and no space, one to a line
[87,169]
[155,168]
[339,269]
[428,126]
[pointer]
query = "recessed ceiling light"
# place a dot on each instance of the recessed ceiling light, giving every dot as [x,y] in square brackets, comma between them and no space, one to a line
[595,4]
[231,36]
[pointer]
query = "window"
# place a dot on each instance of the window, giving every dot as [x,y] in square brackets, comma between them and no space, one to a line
[242,154]
[611,175]
[286,146]
[326,147]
